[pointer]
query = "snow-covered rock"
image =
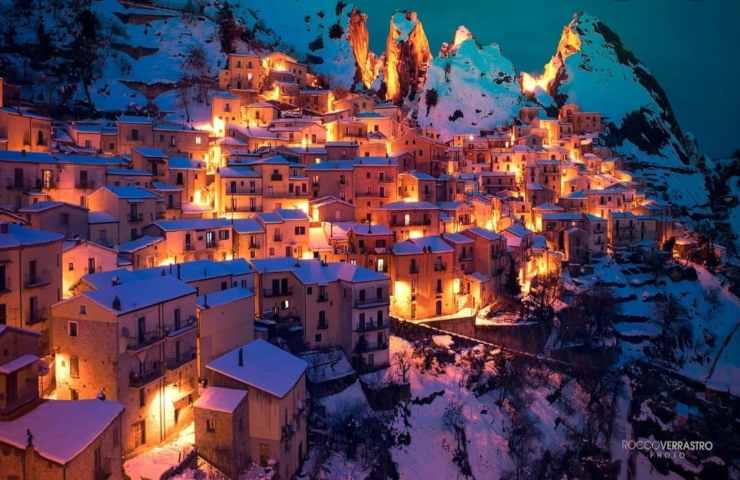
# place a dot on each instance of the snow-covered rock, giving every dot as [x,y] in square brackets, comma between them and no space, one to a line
[593,69]
[468,88]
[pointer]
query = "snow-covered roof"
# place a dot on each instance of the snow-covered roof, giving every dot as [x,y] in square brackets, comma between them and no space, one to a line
[562,216]
[129,172]
[313,271]
[181,162]
[46,205]
[194,271]
[139,294]
[419,175]
[367,229]
[19,235]
[138,119]
[417,245]
[17,363]
[130,192]
[192,224]
[264,367]
[456,238]
[518,230]
[61,429]
[150,152]
[331,165]
[100,217]
[248,225]
[223,297]
[292,214]
[485,233]
[237,171]
[409,206]
[166,187]
[220,399]
[139,243]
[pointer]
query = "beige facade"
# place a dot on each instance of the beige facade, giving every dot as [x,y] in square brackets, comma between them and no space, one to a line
[225,321]
[84,257]
[30,276]
[132,207]
[135,342]
[277,407]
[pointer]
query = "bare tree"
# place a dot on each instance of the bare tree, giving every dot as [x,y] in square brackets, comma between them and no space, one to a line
[402,360]
[543,293]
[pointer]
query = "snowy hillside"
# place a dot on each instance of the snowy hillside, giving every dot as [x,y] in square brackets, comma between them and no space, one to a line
[468,88]
[139,51]
[593,69]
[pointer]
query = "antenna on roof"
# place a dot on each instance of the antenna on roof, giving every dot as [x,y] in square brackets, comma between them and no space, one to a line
[116,303]
[115,281]
[205,300]
[241,357]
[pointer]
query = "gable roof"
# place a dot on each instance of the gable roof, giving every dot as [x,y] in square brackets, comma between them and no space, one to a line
[264,367]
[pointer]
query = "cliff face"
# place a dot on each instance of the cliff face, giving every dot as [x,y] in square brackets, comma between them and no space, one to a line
[367,65]
[407,55]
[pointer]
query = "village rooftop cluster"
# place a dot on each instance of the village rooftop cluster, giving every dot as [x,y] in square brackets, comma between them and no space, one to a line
[156,274]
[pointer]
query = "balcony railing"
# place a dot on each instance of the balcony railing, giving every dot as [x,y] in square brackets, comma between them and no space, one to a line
[35,317]
[371,326]
[440,267]
[276,177]
[185,357]
[85,185]
[270,293]
[366,347]
[323,297]
[135,217]
[139,379]
[141,341]
[36,281]
[254,245]
[189,247]
[371,302]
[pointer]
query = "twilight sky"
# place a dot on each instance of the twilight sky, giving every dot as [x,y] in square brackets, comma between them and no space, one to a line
[691,46]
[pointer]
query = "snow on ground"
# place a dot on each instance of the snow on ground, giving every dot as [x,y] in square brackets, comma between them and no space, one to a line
[478,83]
[711,309]
[153,463]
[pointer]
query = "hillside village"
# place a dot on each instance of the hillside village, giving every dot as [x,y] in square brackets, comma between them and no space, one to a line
[237,277]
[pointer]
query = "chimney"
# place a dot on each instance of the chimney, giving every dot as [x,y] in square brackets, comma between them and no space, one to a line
[205,300]
[115,281]
[116,303]
[241,358]
[178,271]
[30,456]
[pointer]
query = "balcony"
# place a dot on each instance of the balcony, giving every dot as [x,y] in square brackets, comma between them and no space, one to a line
[137,380]
[142,341]
[135,217]
[84,185]
[277,238]
[371,302]
[440,267]
[185,357]
[252,191]
[371,327]
[323,298]
[254,245]
[372,194]
[270,293]
[35,317]
[189,247]
[363,346]
[185,325]
[276,177]
[387,180]
[35,281]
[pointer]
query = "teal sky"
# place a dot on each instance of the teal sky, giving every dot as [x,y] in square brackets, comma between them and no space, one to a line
[691,46]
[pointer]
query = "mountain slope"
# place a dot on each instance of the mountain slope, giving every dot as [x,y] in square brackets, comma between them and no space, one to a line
[468,88]
[593,69]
